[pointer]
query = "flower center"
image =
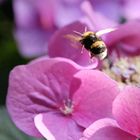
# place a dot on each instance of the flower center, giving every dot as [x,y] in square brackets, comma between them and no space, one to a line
[67,107]
[124,70]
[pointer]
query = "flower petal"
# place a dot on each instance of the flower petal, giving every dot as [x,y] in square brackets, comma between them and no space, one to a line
[124,31]
[31,42]
[25,14]
[106,129]
[38,87]
[38,120]
[125,38]
[73,12]
[107,7]
[97,19]
[126,110]
[49,126]
[93,96]
[61,46]
[131,9]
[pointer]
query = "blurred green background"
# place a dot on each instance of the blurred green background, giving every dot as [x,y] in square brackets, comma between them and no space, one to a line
[9,58]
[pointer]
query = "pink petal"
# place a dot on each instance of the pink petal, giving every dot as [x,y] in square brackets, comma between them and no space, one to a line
[55,126]
[73,12]
[32,42]
[92,98]
[127,36]
[38,120]
[98,20]
[110,9]
[126,109]
[67,61]
[25,14]
[38,87]
[61,46]
[106,129]
[131,9]
[125,30]
[46,11]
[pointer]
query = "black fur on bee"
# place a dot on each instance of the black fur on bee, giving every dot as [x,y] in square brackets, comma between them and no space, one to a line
[87,41]
[97,50]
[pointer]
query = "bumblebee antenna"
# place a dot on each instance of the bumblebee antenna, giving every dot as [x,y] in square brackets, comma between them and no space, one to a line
[78,33]
[105,31]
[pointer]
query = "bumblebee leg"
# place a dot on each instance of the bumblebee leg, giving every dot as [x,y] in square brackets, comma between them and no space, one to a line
[91,55]
[78,33]
[82,49]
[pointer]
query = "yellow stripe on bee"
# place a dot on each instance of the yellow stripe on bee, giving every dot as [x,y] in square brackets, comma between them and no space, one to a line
[88,33]
[98,43]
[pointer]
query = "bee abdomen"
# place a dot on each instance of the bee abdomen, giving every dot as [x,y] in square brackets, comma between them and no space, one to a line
[98,47]
[97,44]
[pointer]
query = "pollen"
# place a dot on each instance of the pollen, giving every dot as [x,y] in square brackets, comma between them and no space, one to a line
[126,71]
[67,107]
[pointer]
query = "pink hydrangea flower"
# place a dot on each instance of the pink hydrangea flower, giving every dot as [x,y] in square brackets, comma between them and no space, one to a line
[61,46]
[126,125]
[37,20]
[121,10]
[131,9]
[58,99]
[123,41]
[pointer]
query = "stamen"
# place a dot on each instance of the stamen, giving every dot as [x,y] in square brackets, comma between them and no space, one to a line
[67,107]
[124,70]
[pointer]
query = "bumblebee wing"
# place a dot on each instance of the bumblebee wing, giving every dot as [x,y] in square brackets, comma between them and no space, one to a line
[105,31]
[74,40]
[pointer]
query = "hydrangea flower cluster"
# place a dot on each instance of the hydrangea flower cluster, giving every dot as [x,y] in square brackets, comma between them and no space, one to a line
[64,97]
[36,21]
[57,98]
[126,123]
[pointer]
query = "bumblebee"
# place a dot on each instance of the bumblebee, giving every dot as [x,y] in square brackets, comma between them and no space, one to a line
[92,42]
[94,45]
